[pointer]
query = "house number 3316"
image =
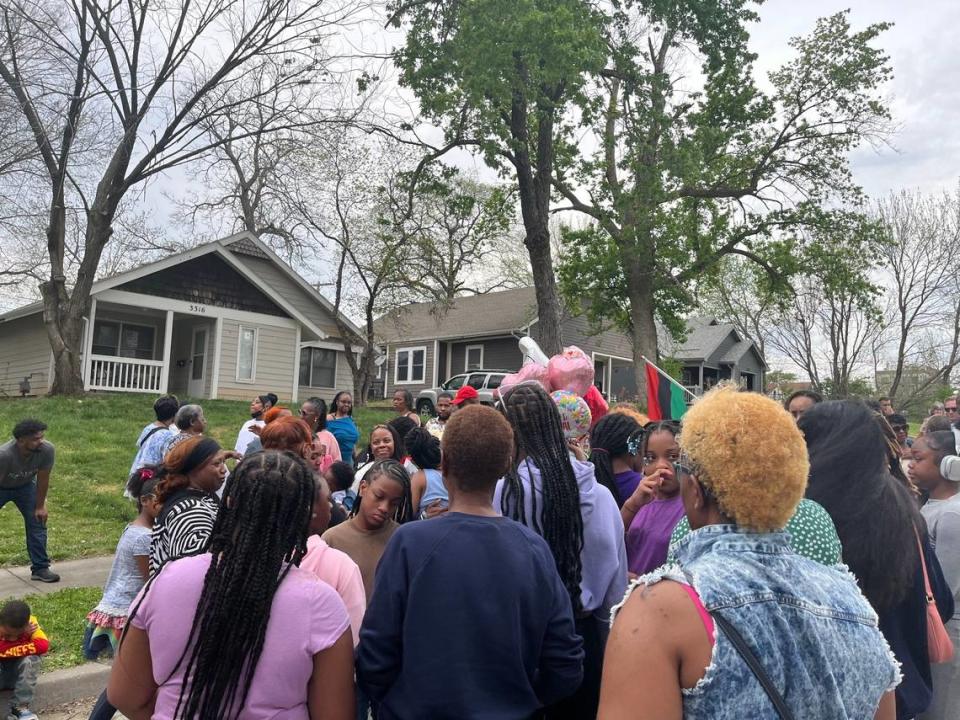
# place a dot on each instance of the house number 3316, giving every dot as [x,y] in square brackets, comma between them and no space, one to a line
[198,309]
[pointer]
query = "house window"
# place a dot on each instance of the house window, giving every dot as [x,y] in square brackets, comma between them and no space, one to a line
[474,356]
[411,365]
[247,354]
[119,339]
[318,367]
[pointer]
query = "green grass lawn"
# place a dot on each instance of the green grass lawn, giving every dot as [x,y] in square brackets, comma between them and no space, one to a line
[62,615]
[95,437]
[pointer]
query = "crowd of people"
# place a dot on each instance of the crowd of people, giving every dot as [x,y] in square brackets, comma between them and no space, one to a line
[757,560]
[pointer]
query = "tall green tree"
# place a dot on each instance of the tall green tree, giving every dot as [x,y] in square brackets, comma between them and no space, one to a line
[498,76]
[689,171]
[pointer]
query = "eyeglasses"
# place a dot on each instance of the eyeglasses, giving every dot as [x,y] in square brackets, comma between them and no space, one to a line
[951,410]
[899,428]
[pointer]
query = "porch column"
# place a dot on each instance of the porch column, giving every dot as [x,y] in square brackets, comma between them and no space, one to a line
[295,391]
[609,382]
[215,380]
[386,373]
[167,341]
[88,349]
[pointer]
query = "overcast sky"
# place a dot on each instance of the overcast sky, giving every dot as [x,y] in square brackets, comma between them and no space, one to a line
[924,95]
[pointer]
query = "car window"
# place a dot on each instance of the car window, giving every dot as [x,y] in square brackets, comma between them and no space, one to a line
[494,381]
[454,383]
[476,380]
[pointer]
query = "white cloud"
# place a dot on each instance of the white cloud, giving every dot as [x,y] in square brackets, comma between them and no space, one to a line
[924,94]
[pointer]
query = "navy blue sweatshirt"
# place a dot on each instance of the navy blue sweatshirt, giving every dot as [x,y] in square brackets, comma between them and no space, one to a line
[468,620]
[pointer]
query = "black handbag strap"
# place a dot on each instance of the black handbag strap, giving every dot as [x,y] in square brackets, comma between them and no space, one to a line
[154,430]
[736,639]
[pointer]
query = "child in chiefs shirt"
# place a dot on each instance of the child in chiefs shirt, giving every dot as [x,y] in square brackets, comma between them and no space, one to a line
[22,642]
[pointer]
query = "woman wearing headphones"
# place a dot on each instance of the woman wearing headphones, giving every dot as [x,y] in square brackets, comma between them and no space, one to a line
[935,469]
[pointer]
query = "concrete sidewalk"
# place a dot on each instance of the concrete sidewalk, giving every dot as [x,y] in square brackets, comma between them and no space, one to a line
[88,572]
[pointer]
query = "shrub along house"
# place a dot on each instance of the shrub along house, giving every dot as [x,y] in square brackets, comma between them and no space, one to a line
[228,319]
[425,344]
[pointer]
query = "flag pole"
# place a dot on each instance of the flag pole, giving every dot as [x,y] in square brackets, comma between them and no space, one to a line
[671,379]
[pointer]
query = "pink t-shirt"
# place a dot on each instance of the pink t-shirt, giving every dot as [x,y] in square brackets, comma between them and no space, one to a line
[307,616]
[325,437]
[342,574]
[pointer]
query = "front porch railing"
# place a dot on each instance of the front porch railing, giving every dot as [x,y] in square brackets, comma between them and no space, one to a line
[121,374]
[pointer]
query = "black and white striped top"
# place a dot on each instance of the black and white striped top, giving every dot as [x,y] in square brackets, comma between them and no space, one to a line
[183,527]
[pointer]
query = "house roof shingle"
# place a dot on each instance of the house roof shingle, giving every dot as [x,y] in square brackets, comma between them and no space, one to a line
[705,336]
[736,352]
[500,312]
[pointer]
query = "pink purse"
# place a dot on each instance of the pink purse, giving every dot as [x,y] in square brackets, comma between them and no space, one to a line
[939,644]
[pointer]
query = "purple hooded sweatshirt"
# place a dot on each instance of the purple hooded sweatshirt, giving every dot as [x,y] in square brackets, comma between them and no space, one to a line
[604,555]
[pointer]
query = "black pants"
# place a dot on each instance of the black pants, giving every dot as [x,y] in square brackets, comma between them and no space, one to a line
[582,705]
[103,710]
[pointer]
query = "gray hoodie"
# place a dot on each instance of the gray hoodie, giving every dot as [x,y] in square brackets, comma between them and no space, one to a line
[604,555]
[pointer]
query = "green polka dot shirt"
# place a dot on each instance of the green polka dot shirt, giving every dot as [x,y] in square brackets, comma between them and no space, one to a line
[812,534]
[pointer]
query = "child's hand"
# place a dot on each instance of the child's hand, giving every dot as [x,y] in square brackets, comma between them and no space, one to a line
[435,508]
[32,628]
[577,451]
[646,491]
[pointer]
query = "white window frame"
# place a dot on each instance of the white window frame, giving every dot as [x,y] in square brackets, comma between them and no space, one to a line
[256,344]
[336,365]
[409,351]
[466,358]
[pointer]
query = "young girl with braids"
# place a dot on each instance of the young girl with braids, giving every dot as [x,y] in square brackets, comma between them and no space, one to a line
[240,631]
[130,568]
[128,574]
[560,499]
[653,510]
[429,496]
[383,503]
[333,566]
[613,455]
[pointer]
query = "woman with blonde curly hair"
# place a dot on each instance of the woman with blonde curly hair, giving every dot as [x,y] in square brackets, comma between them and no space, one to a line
[741,626]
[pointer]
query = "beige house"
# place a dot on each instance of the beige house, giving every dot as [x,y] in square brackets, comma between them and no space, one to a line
[228,319]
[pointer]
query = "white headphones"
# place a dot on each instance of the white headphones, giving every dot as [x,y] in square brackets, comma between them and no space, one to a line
[950,468]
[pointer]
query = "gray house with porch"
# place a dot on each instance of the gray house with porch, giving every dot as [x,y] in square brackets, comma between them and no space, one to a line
[715,351]
[425,343]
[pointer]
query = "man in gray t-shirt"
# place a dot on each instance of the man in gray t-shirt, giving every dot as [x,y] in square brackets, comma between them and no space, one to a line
[25,465]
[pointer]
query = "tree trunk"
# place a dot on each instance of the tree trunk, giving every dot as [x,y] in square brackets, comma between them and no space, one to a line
[65,333]
[643,335]
[62,315]
[549,335]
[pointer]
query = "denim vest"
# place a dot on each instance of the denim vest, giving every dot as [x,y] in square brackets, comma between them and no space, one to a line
[809,625]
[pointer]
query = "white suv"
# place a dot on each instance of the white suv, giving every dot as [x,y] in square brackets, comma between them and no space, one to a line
[483,381]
